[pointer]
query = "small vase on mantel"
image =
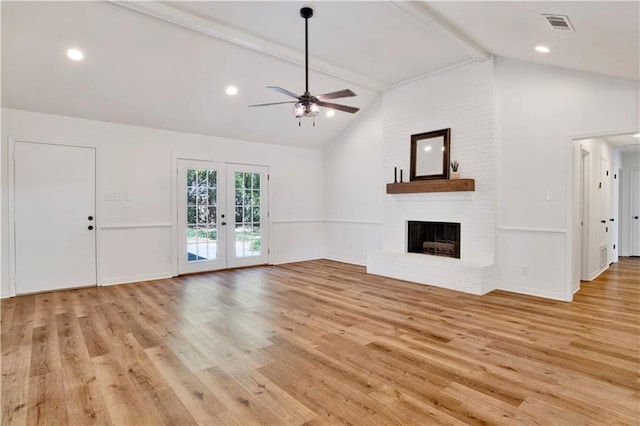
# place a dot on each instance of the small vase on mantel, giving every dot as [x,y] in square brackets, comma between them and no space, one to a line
[454,170]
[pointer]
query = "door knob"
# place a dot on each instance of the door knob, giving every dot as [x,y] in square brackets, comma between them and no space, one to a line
[635,217]
[90,228]
[603,221]
[612,220]
[90,218]
[223,223]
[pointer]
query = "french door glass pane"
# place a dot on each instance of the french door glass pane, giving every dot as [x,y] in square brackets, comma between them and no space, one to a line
[248,208]
[202,227]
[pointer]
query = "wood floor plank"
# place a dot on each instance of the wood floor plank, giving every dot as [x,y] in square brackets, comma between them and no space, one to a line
[321,342]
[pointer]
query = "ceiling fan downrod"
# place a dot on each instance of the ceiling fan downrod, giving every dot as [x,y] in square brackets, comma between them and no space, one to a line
[306,13]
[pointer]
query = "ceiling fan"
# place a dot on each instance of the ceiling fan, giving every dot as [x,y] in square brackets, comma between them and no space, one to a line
[307,105]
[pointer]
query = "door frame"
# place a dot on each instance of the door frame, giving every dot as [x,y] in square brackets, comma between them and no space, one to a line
[11,205]
[175,156]
[572,186]
[585,178]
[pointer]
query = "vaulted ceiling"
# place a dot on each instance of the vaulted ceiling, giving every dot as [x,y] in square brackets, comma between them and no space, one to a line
[167,64]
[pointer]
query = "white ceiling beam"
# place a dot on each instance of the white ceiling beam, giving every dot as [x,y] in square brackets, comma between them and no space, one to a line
[423,14]
[249,41]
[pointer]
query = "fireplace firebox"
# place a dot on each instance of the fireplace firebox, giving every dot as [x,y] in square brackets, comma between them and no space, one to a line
[434,238]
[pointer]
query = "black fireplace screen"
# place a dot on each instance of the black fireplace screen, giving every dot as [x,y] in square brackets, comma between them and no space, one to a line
[435,238]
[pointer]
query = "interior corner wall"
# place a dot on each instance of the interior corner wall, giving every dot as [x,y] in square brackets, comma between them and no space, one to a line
[354,188]
[137,161]
[540,109]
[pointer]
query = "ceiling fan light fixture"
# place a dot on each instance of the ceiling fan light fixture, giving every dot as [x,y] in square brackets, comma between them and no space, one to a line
[306,109]
[307,105]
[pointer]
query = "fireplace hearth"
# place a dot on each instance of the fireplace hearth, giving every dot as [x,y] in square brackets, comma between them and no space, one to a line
[434,238]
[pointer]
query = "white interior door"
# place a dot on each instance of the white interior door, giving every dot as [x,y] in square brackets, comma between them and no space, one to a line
[635,212]
[54,217]
[222,216]
[201,188]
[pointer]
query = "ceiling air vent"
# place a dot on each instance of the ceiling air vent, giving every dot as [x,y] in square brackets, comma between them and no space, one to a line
[559,22]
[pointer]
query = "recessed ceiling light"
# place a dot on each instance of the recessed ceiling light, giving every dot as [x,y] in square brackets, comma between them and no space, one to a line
[637,135]
[542,49]
[232,90]
[75,54]
[331,113]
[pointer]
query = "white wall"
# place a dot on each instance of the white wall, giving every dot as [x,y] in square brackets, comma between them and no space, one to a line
[629,161]
[540,110]
[354,189]
[137,161]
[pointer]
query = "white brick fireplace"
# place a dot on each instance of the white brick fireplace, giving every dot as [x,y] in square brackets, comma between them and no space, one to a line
[463,100]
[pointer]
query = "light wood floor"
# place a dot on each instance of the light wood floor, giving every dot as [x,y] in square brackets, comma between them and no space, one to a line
[321,342]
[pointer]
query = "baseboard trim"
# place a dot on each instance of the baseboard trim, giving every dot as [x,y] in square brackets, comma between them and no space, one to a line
[534,292]
[343,260]
[134,279]
[294,260]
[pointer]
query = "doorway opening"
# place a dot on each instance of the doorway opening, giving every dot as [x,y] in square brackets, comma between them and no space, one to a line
[600,198]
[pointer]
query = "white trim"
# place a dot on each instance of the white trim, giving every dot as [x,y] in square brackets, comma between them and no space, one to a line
[594,135]
[98,215]
[532,229]
[136,279]
[576,288]
[345,260]
[174,214]
[295,260]
[357,222]
[12,224]
[276,222]
[432,73]
[529,291]
[248,41]
[137,226]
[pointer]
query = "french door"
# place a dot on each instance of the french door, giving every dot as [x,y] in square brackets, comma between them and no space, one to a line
[222,216]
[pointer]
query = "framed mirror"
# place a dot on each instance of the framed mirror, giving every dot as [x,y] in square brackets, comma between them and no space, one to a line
[430,155]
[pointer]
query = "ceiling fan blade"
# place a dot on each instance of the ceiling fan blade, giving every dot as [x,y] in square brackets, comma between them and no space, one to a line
[344,108]
[273,103]
[334,95]
[283,91]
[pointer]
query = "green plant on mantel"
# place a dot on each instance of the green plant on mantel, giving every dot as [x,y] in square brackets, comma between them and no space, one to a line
[454,166]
